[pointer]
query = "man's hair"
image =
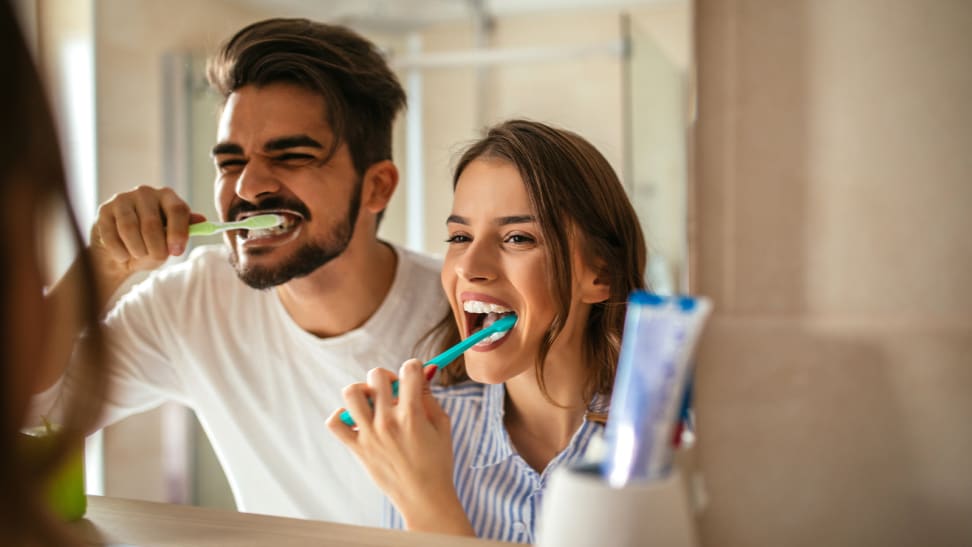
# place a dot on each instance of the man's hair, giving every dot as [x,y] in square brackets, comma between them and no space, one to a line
[361,94]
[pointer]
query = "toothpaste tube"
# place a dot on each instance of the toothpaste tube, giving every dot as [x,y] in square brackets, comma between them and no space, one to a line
[654,369]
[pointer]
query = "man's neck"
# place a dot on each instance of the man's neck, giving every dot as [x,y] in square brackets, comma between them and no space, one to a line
[344,293]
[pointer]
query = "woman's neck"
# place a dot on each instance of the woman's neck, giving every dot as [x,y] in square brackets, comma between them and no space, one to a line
[541,429]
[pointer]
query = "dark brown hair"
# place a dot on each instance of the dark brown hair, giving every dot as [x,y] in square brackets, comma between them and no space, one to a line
[361,94]
[578,201]
[32,179]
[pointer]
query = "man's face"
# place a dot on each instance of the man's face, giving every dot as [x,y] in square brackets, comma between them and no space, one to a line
[272,157]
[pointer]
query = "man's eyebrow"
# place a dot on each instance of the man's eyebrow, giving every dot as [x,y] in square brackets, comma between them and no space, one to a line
[280,143]
[502,221]
[291,141]
[227,148]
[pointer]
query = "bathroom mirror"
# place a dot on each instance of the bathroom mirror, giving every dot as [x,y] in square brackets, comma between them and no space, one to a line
[614,71]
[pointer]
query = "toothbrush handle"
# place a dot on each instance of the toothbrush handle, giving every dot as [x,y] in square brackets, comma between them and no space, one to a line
[204,228]
[450,354]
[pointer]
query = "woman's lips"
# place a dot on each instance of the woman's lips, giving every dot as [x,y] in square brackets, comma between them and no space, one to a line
[480,311]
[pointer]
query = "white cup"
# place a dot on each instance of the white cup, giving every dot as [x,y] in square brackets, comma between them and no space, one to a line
[580,509]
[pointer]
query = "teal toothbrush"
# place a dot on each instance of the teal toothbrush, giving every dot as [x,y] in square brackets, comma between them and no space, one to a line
[502,324]
[258,222]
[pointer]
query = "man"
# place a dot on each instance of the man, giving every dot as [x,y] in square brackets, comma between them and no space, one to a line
[305,132]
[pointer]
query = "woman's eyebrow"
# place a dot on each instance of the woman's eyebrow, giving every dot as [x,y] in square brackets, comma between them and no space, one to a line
[502,221]
[516,219]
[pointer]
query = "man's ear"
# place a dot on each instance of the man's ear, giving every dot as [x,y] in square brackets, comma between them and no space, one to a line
[380,181]
[595,284]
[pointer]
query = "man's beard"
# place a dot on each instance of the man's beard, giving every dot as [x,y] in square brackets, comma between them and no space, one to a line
[307,258]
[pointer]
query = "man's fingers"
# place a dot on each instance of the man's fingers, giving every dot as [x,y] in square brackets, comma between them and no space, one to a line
[177,218]
[150,221]
[106,234]
[129,229]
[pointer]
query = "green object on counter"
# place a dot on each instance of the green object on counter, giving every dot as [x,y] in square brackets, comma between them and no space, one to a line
[64,489]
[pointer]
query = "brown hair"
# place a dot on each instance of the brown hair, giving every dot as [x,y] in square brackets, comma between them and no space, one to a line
[32,178]
[578,200]
[361,94]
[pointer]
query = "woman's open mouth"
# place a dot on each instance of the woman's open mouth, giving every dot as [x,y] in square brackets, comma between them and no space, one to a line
[480,314]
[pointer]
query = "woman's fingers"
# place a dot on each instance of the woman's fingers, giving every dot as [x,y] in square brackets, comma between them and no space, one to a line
[412,386]
[356,400]
[342,431]
[380,381]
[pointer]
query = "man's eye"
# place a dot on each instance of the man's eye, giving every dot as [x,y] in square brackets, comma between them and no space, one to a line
[225,165]
[458,238]
[294,158]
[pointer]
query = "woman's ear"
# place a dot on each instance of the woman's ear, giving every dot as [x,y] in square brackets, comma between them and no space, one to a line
[380,181]
[595,284]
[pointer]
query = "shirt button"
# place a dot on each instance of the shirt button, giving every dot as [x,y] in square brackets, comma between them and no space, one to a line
[519,527]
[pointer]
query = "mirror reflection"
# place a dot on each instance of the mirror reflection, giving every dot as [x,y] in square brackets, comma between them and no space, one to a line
[614,72]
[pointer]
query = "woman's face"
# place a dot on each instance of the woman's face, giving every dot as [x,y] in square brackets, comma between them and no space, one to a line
[496,264]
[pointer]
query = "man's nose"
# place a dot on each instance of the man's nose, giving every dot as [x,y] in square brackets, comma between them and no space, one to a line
[256,180]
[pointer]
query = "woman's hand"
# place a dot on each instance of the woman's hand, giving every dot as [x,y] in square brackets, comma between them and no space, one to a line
[406,446]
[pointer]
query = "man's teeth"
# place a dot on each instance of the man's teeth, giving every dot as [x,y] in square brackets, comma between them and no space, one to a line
[475,306]
[268,232]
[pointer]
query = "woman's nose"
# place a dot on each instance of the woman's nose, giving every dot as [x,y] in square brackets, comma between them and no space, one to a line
[255,180]
[478,263]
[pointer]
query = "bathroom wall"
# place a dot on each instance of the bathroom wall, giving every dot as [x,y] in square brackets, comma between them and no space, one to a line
[831,212]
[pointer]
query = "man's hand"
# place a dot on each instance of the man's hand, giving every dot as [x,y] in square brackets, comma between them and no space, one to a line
[138,230]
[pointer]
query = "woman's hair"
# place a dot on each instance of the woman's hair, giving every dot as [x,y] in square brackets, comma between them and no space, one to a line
[32,179]
[361,94]
[578,201]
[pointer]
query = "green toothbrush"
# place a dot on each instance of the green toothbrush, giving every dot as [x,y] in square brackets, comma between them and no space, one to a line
[502,324]
[258,222]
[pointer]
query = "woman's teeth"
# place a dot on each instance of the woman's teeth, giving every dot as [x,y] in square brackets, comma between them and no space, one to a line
[475,306]
[492,313]
[492,338]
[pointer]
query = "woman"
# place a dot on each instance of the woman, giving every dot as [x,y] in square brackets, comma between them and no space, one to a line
[541,228]
[32,179]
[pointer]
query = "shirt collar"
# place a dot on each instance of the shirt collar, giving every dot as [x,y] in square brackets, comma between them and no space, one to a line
[494,443]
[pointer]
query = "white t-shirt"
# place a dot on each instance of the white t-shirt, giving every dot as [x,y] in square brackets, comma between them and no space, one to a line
[259,384]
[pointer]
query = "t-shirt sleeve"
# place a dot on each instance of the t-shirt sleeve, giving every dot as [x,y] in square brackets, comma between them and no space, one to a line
[141,356]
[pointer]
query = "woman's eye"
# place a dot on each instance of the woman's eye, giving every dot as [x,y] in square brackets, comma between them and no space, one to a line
[458,238]
[519,239]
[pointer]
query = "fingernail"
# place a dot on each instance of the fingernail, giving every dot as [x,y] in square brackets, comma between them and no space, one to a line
[175,249]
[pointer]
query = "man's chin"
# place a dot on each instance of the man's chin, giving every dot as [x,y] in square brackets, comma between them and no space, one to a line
[265,273]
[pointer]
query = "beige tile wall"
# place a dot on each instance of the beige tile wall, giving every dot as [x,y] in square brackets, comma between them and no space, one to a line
[833,190]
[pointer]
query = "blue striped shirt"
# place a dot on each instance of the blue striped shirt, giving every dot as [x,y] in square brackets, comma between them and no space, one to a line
[499,491]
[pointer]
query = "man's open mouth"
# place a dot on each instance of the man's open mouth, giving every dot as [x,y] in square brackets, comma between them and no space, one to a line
[291,221]
[480,315]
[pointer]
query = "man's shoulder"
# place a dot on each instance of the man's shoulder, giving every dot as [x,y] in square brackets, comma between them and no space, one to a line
[422,262]
[206,268]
